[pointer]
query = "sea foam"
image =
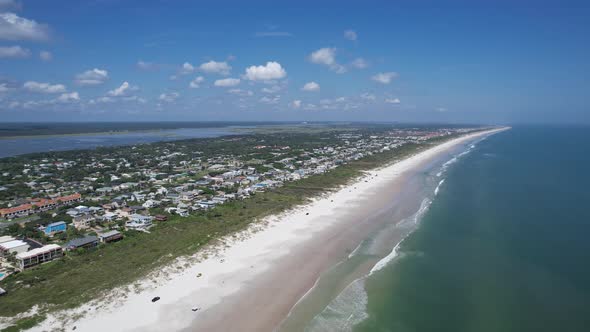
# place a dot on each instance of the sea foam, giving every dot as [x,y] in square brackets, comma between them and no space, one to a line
[415,218]
[344,312]
[438,187]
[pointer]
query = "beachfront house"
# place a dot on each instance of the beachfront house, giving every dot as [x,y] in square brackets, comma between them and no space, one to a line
[110,236]
[86,242]
[139,222]
[38,256]
[205,204]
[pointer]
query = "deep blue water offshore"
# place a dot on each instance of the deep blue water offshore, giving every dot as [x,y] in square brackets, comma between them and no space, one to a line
[504,246]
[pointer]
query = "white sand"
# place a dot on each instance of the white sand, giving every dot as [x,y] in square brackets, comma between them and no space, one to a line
[239,264]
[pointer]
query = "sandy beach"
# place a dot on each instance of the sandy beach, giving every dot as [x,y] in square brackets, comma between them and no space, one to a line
[252,280]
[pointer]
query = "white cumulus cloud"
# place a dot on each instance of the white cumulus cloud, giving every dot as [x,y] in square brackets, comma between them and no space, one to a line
[384,78]
[196,83]
[14,27]
[214,67]
[187,68]
[271,71]
[44,87]
[92,77]
[69,97]
[227,82]
[123,90]
[14,52]
[311,86]
[327,56]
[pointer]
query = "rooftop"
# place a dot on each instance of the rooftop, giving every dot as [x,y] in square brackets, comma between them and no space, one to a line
[82,241]
[13,244]
[6,238]
[109,233]
[38,251]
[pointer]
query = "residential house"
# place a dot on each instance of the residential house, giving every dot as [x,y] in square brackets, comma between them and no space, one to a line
[86,242]
[139,222]
[104,190]
[136,196]
[108,217]
[54,228]
[95,209]
[83,221]
[38,256]
[150,203]
[110,236]
[16,211]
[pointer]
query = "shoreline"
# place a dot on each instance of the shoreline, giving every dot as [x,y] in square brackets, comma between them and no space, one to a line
[294,247]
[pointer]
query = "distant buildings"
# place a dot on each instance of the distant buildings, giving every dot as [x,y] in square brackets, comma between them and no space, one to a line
[38,205]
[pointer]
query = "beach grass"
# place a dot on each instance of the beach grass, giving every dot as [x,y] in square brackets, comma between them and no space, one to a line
[24,324]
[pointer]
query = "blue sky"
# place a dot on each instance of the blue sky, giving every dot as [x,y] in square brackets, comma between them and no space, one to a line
[426,61]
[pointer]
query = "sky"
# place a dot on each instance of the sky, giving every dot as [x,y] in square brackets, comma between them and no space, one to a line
[489,62]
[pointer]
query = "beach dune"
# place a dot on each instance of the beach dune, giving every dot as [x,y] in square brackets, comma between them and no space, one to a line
[252,280]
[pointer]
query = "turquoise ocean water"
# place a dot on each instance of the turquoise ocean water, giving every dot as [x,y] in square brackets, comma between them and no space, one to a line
[504,246]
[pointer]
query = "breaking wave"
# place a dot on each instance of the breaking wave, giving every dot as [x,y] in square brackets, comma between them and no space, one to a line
[349,308]
[455,158]
[438,186]
[344,312]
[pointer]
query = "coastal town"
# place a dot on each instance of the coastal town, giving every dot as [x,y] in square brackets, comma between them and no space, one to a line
[53,205]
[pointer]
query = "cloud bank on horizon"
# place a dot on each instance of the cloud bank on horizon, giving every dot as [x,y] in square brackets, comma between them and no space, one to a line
[111,61]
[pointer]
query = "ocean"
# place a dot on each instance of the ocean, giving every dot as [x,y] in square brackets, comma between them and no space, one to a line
[503,247]
[497,241]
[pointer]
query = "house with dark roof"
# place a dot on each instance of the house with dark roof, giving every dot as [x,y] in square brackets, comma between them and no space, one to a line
[86,242]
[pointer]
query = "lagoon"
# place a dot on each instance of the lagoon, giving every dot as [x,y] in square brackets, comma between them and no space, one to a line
[13,146]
